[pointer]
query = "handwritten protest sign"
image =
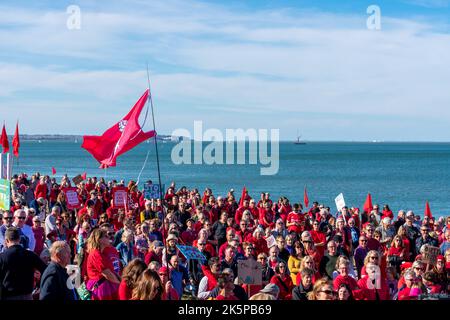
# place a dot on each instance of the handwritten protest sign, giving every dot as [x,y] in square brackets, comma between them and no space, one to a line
[78,179]
[249,271]
[191,253]
[271,241]
[151,191]
[73,202]
[340,202]
[119,197]
[430,254]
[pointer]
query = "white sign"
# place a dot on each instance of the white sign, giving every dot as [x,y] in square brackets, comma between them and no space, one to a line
[270,241]
[340,202]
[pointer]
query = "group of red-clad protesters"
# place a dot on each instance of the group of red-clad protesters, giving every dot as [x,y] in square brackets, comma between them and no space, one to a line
[131,253]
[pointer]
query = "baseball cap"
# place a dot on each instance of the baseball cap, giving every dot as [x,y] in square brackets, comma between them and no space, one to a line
[271,289]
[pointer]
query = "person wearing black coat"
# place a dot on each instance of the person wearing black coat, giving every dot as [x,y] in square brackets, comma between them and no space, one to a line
[55,282]
[17,266]
[300,292]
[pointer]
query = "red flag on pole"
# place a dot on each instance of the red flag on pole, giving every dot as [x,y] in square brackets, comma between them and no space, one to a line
[16,141]
[305,198]
[368,207]
[4,140]
[241,202]
[120,138]
[84,176]
[53,171]
[428,211]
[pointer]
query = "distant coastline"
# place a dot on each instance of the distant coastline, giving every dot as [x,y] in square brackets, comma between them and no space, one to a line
[79,138]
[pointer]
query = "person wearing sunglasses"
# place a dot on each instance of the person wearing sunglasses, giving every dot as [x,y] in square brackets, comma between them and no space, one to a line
[283,280]
[209,281]
[27,236]
[7,222]
[411,288]
[322,290]
[425,239]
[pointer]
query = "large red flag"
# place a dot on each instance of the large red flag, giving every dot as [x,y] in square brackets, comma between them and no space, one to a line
[241,202]
[368,207]
[120,138]
[16,141]
[305,198]
[428,211]
[84,175]
[4,140]
[53,171]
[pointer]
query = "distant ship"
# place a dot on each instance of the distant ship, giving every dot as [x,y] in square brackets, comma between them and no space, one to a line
[298,141]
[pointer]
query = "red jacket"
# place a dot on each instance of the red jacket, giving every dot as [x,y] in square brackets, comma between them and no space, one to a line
[41,191]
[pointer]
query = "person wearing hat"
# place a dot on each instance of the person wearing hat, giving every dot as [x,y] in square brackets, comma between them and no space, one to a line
[189,235]
[387,231]
[170,249]
[269,292]
[440,272]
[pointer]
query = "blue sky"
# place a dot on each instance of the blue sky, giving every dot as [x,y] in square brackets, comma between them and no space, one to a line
[311,66]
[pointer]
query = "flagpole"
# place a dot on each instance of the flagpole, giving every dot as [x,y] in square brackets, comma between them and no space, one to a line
[159,171]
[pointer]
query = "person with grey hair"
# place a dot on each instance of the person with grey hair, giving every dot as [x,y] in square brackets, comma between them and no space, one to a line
[387,231]
[50,221]
[27,238]
[17,266]
[55,282]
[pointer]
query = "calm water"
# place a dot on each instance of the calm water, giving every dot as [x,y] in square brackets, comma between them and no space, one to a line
[404,175]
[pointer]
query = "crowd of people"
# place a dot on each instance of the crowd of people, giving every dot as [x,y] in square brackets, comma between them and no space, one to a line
[132,253]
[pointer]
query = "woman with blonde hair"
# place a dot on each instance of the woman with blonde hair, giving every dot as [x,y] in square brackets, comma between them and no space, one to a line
[103,281]
[148,287]
[396,253]
[322,290]
[308,262]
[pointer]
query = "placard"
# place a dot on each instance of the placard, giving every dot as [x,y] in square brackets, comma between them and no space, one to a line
[73,202]
[271,241]
[119,195]
[191,253]
[430,254]
[78,179]
[151,191]
[5,194]
[249,271]
[340,202]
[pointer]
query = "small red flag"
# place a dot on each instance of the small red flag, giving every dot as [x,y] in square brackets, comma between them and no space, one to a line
[241,202]
[16,141]
[368,207]
[53,171]
[428,211]
[4,140]
[84,176]
[305,198]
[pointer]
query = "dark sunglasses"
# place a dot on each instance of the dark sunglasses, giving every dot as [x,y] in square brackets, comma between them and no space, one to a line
[8,218]
[328,292]
[21,218]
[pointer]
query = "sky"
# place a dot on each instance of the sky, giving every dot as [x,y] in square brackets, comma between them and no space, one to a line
[308,66]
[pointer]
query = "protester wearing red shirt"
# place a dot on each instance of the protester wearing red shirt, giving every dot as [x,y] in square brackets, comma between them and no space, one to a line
[103,281]
[344,277]
[41,190]
[295,220]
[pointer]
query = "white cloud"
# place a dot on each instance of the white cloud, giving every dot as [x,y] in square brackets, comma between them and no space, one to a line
[230,68]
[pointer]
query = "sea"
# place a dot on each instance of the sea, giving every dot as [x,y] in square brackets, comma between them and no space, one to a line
[403,175]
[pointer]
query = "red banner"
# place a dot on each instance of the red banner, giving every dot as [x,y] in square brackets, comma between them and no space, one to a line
[73,202]
[119,195]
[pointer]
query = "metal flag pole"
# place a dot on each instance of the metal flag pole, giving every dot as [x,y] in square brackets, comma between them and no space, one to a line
[159,175]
